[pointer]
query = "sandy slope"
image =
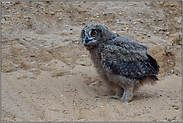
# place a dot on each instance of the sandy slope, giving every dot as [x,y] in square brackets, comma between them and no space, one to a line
[47,74]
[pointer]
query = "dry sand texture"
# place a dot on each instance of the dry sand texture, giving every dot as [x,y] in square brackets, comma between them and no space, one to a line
[47,74]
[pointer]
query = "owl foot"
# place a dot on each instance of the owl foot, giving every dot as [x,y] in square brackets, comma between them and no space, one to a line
[118,94]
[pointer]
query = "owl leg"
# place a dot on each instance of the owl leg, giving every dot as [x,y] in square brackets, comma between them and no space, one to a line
[118,94]
[128,94]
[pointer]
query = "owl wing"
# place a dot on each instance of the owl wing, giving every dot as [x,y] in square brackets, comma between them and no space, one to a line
[129,59]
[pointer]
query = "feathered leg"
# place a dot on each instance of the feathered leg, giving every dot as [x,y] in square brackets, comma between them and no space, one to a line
[128,94]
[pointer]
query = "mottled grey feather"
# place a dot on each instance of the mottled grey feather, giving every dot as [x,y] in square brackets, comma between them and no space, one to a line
[129,59]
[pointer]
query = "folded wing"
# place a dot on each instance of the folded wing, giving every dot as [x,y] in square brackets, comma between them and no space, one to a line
[131,60]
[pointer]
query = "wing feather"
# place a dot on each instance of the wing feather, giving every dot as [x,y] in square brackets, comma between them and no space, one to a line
[129,59]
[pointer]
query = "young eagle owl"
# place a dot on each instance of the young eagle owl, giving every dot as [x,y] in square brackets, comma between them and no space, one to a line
[119,60]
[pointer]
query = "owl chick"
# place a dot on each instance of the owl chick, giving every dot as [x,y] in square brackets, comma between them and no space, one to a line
[120,61]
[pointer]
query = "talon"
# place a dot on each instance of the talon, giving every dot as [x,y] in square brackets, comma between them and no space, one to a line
[126,103]
[114,97]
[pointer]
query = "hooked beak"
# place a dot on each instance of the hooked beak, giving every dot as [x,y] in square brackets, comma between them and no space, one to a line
[87,39]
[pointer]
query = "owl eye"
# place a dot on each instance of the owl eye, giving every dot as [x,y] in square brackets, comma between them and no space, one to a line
[83,35]
[94,34]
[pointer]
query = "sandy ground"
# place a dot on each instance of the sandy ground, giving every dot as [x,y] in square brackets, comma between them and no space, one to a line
[47,74]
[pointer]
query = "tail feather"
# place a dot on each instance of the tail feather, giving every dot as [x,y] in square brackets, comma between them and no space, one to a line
[154,77]
[153,64]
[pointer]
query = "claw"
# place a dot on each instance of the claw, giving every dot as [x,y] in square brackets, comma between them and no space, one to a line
[114,97]
[126,102]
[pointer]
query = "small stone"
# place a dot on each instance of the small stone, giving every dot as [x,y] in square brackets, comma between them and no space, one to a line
[104,13]
[175,107]
[64,111]
[52,13]
[96,96]
[179,20]
[32,55]
[167,33]
[134,23]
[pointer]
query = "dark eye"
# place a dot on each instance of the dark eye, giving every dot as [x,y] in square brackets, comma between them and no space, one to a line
[94,33]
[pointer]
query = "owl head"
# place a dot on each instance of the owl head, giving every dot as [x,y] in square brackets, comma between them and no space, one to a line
[95,34]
